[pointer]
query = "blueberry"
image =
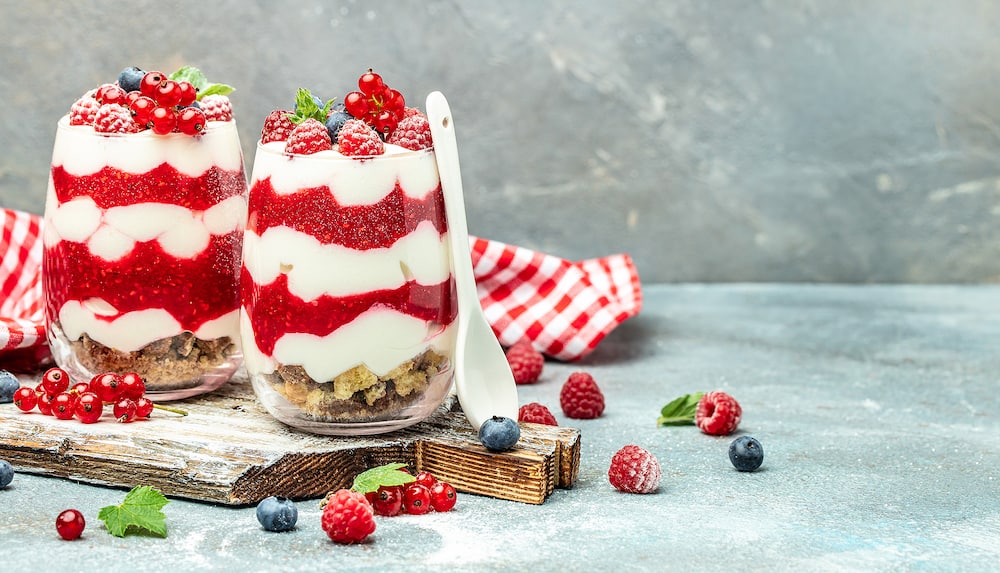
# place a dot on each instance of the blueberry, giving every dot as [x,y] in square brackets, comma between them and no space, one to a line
[8,385]
[129,78]
[277,513]
[746,453]
[6,473]
[335,122]
[499,433]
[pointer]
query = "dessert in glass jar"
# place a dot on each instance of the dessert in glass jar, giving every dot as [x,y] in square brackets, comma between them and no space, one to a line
[143,232]
[348,297]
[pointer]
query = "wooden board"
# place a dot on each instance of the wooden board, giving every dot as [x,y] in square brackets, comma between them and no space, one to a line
[229,450]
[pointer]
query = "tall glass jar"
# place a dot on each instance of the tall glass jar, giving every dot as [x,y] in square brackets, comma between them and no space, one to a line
[143,235]
[348,297]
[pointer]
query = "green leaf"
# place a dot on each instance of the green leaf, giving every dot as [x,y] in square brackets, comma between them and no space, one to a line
[306,108]
[680,411]
[196,78]
[216,89]
[139,512]
[387,475]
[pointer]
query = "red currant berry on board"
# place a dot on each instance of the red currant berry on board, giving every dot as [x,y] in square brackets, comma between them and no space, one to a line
[25,399]
[88,408]
[45,402]
[107,386]
[70,524]
[370,83]
[150,83]
[188,93]
[191,121]
[63,405]
[416,499]
[388,500]
[443,496]
[143,407]
[356,104]
[55,380]
[168,94]
[132,386]
[125,410]
[141,109]
[425,479]
[162,120]
[79,388]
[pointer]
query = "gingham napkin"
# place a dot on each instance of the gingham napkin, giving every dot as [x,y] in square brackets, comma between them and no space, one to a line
[563,308]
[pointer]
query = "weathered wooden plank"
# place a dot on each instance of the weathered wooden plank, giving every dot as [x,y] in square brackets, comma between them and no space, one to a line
[229,450]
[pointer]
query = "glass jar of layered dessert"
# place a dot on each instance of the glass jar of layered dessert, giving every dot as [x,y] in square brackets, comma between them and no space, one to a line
[348,297]
[143,234]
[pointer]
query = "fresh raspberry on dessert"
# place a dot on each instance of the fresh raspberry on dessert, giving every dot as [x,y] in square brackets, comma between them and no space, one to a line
[412,133]
[217,107]
[634,470]
[525,362]
[357,139]
[580,397]
[536,413]
[308,137]
[113,118]
[348,517]
[718,414]
[277,126]
[83,111]
[412,111]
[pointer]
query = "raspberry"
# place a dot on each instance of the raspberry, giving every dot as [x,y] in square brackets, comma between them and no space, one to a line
[634,470]
[83,111]
[718,414]
[413,133]
[580,397]
[277,126]
[348,517]
[357,139]
[525,362]
[536,414]
[412,111]
[308,137]
[114,118]
[217,108]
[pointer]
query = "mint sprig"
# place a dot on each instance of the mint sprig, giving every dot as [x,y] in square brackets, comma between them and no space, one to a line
[196,78]
[307,108]
[140,512]
[680,411]
[387,475]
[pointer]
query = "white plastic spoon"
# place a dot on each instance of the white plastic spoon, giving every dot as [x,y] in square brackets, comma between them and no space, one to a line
[483,378]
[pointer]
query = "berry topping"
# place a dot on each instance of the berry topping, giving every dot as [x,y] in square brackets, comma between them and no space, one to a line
[55,380]
[416,499]
[113,118]
[277,514]
[580,397]
[141,108]
[6,473]
[70,524]
[308,137]
[277,127]
[168,93]
[191,121]
[525,362]
[189,94]
[634,470]
[217,108]
[110,93]
[746,453]
[9,384]
[348,517]
[334,122]
[718,414]
[356,139]
[162,120]
[412,133]
[83,111]
[150,83]
[130,78]
[499,433]
[443,496]
[376,104]
[536,413]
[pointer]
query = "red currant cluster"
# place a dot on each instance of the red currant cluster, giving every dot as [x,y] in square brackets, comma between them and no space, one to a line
[376,104]
[415,498]
[55,396]
[160,104]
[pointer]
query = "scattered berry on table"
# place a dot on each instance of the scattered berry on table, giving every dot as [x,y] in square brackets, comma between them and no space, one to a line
[143,407]
[129,78]
[718,414]
[70,524]
[416,499]
[425,479]
[277,514]
[387,501]
[348,517]
[308,137]
[107,386]
[64,406]
[25,399]
[746,453]
[124,410]
[499,433]
[536,414]
[357,139]
[277,126]
[132,385]
[55,380]
[580,397]
[217,107]
[634,470]
[89,408]
[45,402]
[443,496]
[9,384]
[525,362]
[83,111]
[413,133]
[6,473]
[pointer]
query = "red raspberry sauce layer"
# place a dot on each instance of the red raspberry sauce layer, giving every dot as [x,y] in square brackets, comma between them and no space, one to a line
[193,291]
[316,212]
[277,312]
[112,187]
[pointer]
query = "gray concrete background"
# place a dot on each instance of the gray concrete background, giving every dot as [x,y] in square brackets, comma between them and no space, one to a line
[847,141]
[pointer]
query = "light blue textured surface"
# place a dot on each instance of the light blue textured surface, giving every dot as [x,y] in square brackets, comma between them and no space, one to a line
[876,406]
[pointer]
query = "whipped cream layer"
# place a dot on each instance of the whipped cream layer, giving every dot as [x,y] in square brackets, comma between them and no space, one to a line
[81,151]
[352,181]
[130,331]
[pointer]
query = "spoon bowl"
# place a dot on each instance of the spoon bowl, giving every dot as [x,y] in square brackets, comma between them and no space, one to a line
[483,379]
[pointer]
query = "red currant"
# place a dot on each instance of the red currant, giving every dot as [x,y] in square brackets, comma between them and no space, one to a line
[168,94]
[62,405]
[162,120]
[396,104]
[143,407]
[132,386]
[79,388]
[45,402]
[107,386]
[370,83]
[426,479]
[385,122]
[356,104]
[131,96]
[191,121]
[150,82]
[443,496]
[188,93]
[388,500]
[55,380]
[416,499]
[70,524]
[141,108]
[125,410]
[110,93]
[25,399]
[88,408]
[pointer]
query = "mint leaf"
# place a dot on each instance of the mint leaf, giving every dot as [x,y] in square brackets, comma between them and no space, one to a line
[196,78]
[680,411]
[307,108]
[140,511]
[387,475]
[216,89]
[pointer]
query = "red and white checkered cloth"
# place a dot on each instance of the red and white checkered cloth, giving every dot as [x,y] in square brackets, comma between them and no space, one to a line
[564,308]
